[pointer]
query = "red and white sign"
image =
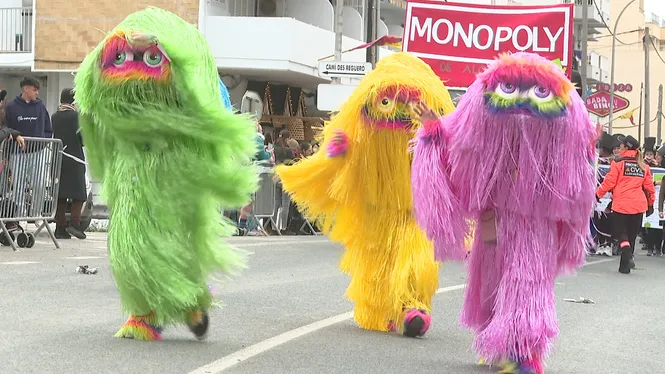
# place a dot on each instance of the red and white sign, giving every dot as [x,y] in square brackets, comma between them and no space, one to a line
[598,103]
[459,40]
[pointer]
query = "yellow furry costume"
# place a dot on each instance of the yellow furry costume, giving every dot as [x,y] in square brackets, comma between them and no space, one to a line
[358,189]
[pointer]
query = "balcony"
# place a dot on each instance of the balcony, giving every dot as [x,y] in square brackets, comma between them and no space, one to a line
[598,69]
[599,11]
[287,56]
[275,41]
[16,30]
[16,37]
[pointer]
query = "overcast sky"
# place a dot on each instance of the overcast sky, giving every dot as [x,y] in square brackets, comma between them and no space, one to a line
[655,6]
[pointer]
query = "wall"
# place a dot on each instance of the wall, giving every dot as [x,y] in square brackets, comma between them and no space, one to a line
[629,64]
[65,35]
[11,84]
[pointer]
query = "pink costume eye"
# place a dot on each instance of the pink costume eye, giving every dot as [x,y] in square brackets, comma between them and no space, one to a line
[507,87]
[541,92]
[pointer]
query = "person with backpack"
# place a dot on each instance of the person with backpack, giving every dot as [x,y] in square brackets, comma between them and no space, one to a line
[633,194]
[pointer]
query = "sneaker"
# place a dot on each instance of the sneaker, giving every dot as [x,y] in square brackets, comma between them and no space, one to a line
[62,234]
[199,325]
[416,323]
[75,231]
[649,252]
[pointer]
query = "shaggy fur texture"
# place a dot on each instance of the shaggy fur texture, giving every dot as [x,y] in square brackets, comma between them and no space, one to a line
[518,144]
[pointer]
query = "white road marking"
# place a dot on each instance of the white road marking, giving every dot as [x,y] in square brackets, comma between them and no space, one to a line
[237,357]
[276,243]
[18,262]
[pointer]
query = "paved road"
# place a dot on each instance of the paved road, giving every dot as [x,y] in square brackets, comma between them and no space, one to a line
[55,321]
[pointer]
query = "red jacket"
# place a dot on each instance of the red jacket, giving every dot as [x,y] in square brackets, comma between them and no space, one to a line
[632,188]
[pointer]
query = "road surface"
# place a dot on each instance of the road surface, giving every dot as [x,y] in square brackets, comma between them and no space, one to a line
[287,314]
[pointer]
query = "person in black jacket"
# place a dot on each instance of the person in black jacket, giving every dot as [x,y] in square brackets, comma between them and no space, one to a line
[72,174]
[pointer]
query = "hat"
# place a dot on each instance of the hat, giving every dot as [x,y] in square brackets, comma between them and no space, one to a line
[649,144]
[608,142]
[661,150]
[629,142]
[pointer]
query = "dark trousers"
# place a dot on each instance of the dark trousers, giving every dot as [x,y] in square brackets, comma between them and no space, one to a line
[60,217]
[654,239]
[625,228]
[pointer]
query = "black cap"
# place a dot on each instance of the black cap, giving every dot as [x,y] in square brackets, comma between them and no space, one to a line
[608,142]
[67,96]
[629,142]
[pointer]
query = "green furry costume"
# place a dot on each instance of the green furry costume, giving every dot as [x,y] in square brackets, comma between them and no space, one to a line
[170,157]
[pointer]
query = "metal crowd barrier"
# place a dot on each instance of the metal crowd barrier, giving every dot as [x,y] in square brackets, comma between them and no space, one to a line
[29,184]
[264,199]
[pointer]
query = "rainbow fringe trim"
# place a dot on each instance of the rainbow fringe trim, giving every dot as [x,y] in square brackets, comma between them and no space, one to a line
[533,366]
[140,328]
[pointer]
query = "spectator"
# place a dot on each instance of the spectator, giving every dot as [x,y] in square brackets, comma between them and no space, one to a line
[650,158]
[306,150]
[633,194]
[261,155]
[283,155]
[269,146]
[27,114]
[315,146]
[295,148]
[261,152]
[3,94]
[72,174]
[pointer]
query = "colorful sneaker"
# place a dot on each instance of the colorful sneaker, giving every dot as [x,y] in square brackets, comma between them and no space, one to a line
[139,328]
[416,323]
[533,366]
[198,324]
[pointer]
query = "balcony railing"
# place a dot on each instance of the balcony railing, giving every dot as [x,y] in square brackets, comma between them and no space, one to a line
[16,29]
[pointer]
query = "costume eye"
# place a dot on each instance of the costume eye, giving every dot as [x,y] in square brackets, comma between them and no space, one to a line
[385,102]
[122,56]
[153,59]
[507,90]
[540,94]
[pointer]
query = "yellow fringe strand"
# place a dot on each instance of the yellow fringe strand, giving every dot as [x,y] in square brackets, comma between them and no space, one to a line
[363,198]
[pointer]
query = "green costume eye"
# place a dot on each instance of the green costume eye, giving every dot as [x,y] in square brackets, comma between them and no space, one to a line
[153,59]
[120,58]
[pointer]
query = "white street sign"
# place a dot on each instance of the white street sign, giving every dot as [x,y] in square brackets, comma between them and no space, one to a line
[341,69]
[330,97]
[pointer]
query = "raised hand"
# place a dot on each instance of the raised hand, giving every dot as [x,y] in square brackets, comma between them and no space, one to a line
[338,145]
[426,116]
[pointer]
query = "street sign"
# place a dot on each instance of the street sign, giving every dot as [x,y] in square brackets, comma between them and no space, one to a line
[598,103]
[330,97]
[341,69]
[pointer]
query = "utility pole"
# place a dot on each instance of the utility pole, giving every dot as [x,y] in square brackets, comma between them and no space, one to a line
[372,29]
[647,98]
[639,119]
[339,34]
[614,53]
[585,55]
[659,135]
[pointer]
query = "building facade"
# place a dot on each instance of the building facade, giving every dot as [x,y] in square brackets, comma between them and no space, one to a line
[261,46]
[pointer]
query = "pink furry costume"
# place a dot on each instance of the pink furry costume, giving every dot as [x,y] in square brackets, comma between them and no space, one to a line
[531,192]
